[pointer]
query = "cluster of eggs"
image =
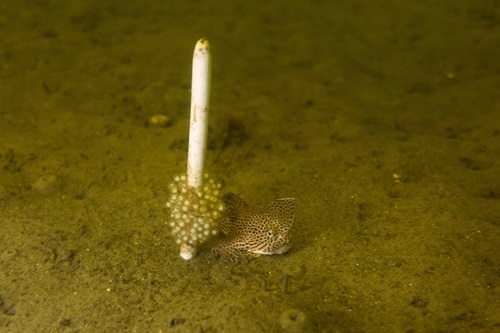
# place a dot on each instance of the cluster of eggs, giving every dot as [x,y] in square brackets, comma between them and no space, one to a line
[194,211]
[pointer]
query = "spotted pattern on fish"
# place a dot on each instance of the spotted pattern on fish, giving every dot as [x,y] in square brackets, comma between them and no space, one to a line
[248,230]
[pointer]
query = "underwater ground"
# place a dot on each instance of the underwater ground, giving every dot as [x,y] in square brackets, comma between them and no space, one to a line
[382,119]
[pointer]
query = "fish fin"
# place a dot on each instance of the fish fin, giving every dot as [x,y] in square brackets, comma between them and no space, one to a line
[233,206]
[282,210]
[221,247]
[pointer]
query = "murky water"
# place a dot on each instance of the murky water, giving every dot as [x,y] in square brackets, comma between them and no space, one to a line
[382,119]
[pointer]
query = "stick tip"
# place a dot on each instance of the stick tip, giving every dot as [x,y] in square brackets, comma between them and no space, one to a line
[202,45]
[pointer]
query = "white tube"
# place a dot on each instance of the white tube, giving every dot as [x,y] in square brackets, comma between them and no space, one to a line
[198,125]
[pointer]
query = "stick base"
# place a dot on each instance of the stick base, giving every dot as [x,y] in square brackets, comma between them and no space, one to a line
[187,251]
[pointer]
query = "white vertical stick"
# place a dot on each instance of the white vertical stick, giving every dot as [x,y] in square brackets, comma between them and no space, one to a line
[200,101]
[198,125]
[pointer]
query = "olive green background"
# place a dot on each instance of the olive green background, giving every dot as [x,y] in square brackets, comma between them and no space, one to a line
[382,118]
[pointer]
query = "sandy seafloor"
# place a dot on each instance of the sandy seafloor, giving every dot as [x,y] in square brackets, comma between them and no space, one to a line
[382,118]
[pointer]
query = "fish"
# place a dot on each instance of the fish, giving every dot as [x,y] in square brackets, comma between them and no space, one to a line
[245,230]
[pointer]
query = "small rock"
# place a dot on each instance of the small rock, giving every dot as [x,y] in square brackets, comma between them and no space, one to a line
[47,184]
[159,120]
[294,321]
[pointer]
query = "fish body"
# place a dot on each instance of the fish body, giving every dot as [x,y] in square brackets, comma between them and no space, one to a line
[248,230]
